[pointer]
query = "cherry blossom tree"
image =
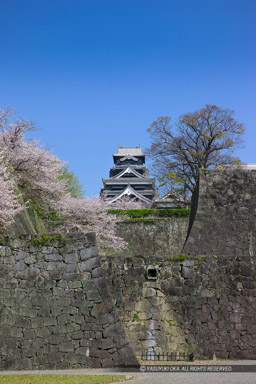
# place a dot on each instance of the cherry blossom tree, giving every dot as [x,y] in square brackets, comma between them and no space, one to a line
[126,202]
[36,169]
[10,203]
[38,176]
[90,215]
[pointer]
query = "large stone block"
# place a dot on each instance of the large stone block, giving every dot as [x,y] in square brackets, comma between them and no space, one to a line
[89,264]
[88,253]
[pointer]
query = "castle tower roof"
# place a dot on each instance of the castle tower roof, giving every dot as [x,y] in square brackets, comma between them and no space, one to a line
[129,177]
[129,151]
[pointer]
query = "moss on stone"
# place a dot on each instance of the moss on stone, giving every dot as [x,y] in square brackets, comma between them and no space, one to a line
[135,317]
[181,257]
[49,239]
[199,260]
[172,323]
[2,240]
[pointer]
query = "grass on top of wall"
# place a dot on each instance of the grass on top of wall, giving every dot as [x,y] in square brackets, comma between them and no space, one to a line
[151,212]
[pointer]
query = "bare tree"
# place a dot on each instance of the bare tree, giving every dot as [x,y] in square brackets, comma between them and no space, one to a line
[204,139]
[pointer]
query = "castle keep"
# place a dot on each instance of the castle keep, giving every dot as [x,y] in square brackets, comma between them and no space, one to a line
[129,177]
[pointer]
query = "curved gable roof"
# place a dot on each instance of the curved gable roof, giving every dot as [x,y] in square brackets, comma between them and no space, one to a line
[128,170]
[130,191]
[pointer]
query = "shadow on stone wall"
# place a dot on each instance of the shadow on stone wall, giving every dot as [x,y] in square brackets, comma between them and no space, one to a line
[55,308]
[59,308]
[150,319]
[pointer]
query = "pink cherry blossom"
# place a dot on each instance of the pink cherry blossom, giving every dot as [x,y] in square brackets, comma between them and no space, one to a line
[10,203]
[30,168]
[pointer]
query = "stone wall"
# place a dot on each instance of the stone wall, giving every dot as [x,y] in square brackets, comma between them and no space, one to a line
[204,305]
[205,300]
[59,308]
[146,310]
[213,298]
[55,309]
[225,219]
[154,236]
[223,241]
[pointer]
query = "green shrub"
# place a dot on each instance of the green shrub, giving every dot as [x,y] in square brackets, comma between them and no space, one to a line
[151,212]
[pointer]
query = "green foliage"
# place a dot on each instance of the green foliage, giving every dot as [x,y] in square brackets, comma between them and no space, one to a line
[73,185]
[135,317]
[188,345]
[44,213]
[199,260]
[48,215]
[3,240]
[49,239]
[172,324]
[151,212]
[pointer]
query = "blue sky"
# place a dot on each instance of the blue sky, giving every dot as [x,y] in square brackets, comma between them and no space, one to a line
[93,74]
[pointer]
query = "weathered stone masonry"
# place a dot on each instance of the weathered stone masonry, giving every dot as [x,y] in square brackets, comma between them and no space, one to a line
[204,301]
[147,312]
[149,237]
[204,305]
[55,309]
[223,241]
[55,304]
